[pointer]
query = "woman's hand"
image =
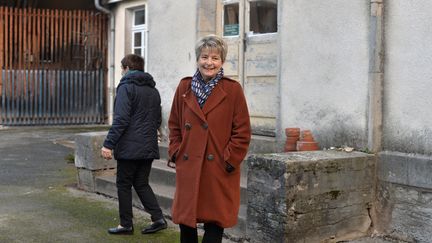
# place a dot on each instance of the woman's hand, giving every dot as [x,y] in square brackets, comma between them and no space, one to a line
[171,162]
[106,153]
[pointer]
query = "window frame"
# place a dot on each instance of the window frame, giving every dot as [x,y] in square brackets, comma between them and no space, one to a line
[248,21]
[143,29]
[231,2]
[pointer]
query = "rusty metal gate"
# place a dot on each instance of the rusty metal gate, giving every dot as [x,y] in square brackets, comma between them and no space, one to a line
[53,66]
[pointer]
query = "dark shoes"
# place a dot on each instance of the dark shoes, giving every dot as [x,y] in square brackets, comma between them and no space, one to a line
[155,226]
[120,230]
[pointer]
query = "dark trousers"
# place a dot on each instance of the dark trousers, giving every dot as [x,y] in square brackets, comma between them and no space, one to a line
[135,173]
[212,234]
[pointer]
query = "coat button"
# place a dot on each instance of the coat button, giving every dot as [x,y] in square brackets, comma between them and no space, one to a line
[229,168]
[185,156]
[188,126]
[205,125]
[210,157]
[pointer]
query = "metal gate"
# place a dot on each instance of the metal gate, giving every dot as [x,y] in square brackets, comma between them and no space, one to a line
[53,66]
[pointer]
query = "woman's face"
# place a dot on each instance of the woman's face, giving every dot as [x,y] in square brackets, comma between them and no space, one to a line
[209,63]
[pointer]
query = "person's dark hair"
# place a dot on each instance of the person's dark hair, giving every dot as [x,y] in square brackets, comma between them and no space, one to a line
[133,61]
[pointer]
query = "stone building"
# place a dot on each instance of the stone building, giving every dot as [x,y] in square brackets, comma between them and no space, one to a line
[357,73]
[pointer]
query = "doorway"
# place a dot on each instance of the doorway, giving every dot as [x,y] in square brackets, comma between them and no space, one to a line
[250,29]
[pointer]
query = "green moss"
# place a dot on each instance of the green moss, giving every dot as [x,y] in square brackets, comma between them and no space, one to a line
[82,219]
[58,214]
[366,150]
[70,158]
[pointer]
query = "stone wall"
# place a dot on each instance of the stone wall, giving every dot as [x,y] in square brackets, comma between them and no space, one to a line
[403,209]
[309,196]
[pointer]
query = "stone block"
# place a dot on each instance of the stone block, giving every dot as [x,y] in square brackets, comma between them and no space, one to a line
[404,213]
[309,196]
[406,169]
[87,153]
[87,178]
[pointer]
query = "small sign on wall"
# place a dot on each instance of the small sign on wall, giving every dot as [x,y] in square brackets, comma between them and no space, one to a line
[231,29]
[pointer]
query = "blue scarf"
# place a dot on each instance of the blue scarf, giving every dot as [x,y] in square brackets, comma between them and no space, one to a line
[202,89]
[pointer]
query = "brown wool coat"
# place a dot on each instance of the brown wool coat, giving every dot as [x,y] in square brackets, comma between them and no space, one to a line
[202,141]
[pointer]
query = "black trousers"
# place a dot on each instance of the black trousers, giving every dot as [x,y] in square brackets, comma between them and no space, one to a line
[135,173]
[212,234]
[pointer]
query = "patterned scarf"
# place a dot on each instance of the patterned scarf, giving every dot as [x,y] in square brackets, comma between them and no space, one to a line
[201,89]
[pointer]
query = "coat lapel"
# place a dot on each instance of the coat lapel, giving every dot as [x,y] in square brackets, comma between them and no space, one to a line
[216,97]
[192,103]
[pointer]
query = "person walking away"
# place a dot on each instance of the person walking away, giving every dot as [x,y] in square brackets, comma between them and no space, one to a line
[209,135]
[134,139]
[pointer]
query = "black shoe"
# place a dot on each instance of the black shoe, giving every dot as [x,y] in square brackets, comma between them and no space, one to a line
[155,226]
[120,230]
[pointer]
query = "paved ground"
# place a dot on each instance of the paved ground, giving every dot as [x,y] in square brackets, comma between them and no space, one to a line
[38,202]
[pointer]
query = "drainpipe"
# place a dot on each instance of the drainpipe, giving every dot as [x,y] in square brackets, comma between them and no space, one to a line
[111,85]
[376,76]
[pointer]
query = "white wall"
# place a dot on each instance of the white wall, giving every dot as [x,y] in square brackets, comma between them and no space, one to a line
[324,69]
[408,77]
[172,36]
[171,40]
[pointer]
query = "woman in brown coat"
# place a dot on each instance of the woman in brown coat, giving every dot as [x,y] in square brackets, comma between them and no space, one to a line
[209,137]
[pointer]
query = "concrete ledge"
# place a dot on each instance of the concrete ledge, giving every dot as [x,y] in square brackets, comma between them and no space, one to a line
[309,196]
[87,178]
[404,196]
[405,169]
[403,213]
[87,152]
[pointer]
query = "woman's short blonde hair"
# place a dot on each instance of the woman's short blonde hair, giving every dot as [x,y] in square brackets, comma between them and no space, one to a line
[212,42]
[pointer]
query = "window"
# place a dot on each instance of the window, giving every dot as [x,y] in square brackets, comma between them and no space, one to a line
[231,19]
[139,33]
[263,16]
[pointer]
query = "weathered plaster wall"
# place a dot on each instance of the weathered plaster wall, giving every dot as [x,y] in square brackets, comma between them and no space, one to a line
[171,41]
[324,69]
[172,36]
[404,190]
[408,73]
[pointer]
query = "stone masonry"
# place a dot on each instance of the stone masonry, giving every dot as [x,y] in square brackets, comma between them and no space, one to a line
[309,196]
[403,210]
[88,161]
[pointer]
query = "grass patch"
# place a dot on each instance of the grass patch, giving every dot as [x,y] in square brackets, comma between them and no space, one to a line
[70,158]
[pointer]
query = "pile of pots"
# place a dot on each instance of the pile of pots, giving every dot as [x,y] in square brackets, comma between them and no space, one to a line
[298,140]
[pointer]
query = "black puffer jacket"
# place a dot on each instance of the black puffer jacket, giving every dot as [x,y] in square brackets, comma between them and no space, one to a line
[137,116]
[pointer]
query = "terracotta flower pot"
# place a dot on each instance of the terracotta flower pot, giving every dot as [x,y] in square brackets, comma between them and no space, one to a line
[292,132]
[306,136]
[307,146]
[291,143]
[292,139]
[289,147]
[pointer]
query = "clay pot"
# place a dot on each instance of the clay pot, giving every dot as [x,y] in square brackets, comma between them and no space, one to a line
[291,144]
[292,139]
[306,136]
[307,146]
[289,147]
[292,132]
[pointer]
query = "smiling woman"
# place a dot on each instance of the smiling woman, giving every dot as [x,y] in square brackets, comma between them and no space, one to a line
[209,137]
[209,63]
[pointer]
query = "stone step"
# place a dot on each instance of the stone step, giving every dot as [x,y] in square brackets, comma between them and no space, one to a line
[106,185]
[165,195]
[161,174]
